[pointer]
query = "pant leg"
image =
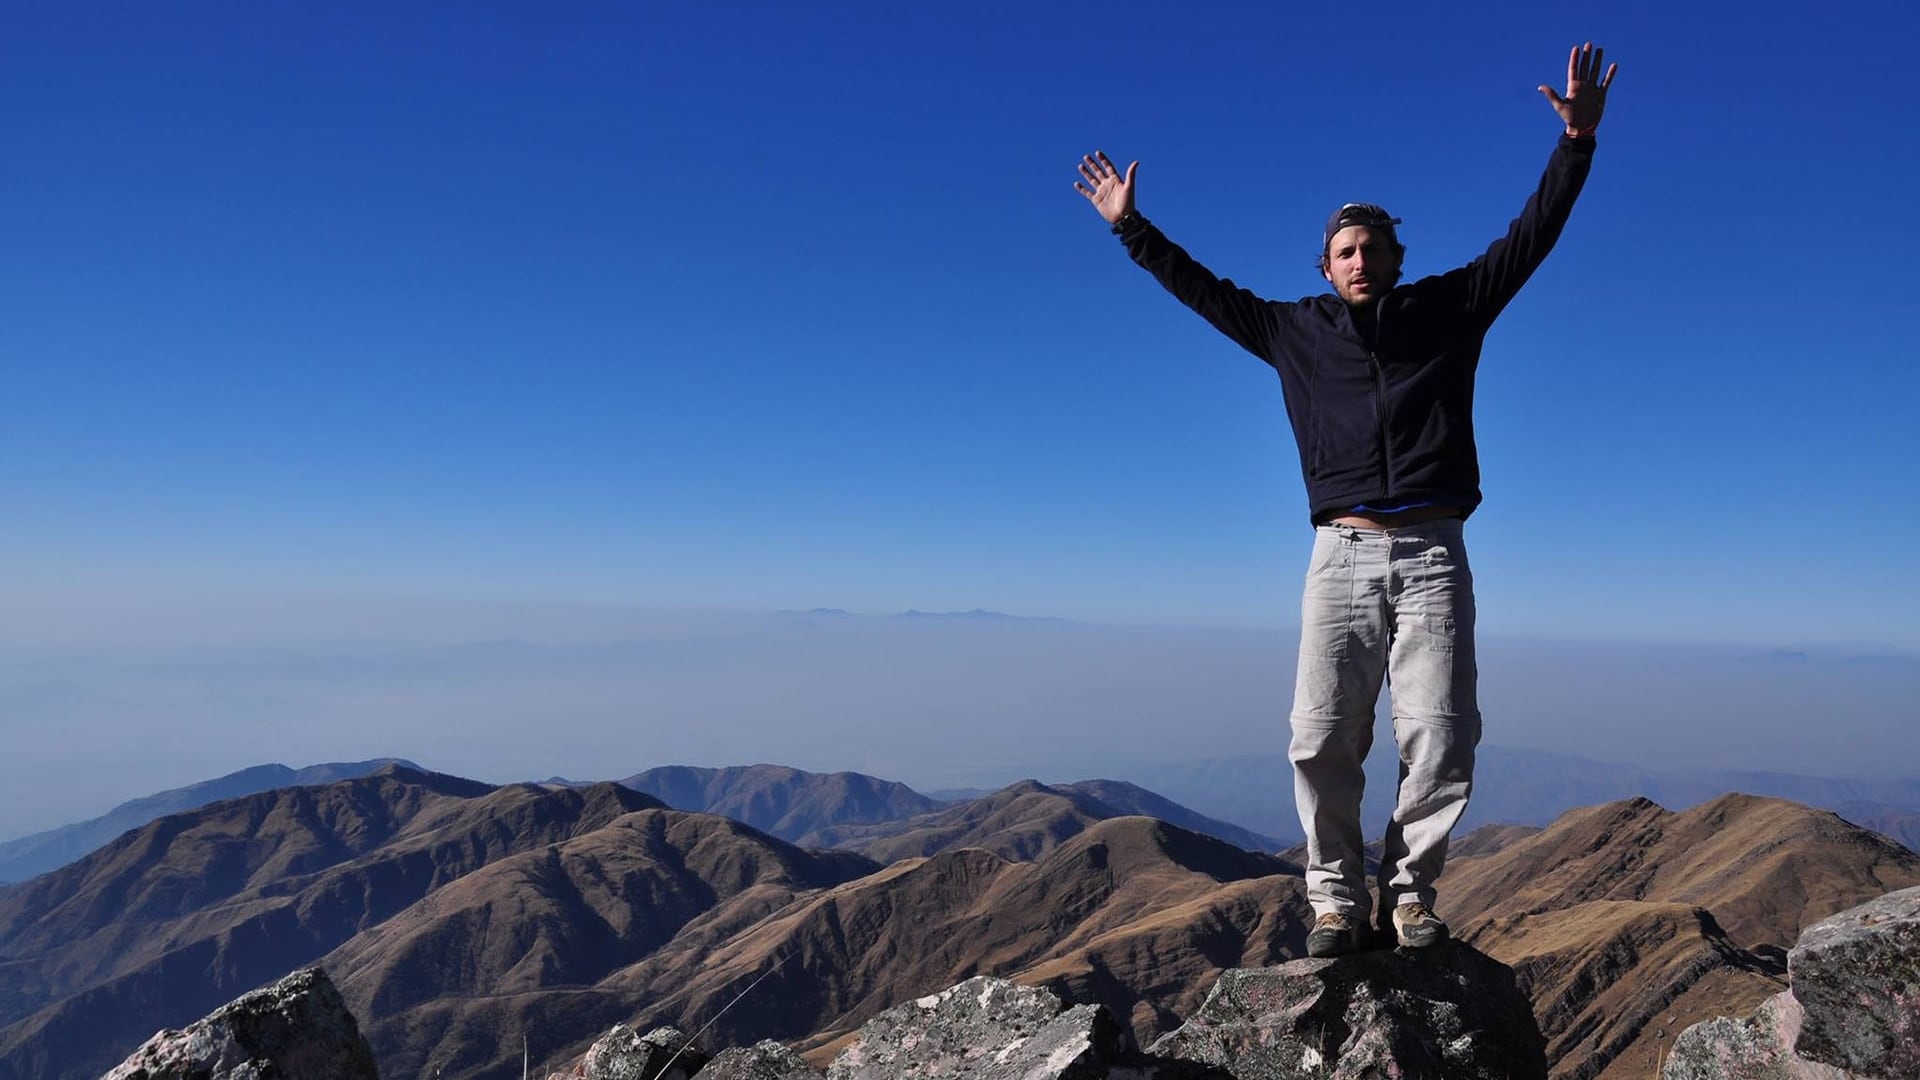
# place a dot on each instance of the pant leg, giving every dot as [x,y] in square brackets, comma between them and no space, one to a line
[1436,710]
[1342,661]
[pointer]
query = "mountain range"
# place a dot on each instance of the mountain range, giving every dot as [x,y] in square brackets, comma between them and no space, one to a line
[457,917]
[1245,800]
[1518,786]
[30,856]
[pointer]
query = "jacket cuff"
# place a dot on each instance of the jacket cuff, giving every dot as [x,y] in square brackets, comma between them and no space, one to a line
[1132,224]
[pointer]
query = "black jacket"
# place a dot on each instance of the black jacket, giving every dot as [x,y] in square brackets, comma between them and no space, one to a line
[1391,423]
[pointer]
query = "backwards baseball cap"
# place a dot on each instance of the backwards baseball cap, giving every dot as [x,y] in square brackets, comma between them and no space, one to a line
[1358,213]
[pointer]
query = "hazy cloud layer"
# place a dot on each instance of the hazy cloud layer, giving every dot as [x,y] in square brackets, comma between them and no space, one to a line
[505,693]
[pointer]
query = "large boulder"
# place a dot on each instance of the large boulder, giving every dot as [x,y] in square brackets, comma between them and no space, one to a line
[1852,1008]
[1758,1048]
[985,1029]
[767,1060]
[1447,1011]
[296,1029]
[665,1053]
[1857,976]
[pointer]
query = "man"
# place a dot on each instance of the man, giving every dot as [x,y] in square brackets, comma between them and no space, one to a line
[1378,382]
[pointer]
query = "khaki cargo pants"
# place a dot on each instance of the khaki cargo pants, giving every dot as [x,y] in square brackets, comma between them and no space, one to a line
[1394,604]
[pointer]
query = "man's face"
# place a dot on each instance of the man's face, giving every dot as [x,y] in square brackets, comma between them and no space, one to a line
[1361,264]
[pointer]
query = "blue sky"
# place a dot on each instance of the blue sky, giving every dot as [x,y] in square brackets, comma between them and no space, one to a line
[774,305]
[757,306]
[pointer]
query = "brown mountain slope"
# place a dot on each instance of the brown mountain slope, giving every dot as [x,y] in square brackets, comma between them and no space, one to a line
[788,803]
[1488,839]
[171,921]
[544,925]
[1765,867]
[1626,919]
[1099,902]
[567,916]
[1022,822]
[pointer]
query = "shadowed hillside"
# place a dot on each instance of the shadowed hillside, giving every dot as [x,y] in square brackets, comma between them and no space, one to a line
[1102,900]
[434,983]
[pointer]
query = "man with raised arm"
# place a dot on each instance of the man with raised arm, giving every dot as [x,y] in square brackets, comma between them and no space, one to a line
[1378,382]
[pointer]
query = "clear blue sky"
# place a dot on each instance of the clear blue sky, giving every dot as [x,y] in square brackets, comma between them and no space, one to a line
[775,305]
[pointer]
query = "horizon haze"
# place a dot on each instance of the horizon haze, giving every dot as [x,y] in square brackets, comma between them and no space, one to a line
[971,700]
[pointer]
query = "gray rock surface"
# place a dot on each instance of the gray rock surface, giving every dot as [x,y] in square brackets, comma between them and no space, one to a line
[1448,1011]
[1852,1008]
[986,1029]
[1857,977]
[296,1029]
[1758,1048]
[766,1060]
[624,1054]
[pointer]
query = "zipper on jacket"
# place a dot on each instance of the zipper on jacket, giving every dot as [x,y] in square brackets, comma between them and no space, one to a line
[1380,419]
[1380,396]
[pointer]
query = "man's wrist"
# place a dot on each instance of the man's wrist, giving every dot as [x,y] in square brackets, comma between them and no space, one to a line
[1131,221]
[1582,133]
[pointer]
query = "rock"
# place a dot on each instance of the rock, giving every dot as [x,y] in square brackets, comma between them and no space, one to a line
[1447,1011]
[624,1054]
[986,1029]
[766,1060]
[1857,977]
[1852,1008]
[296,1029]
[1759,1048]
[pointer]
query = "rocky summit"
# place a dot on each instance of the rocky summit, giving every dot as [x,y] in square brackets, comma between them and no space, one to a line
[661,1054]
[764,1060]
[989,1029]
[1448,1011]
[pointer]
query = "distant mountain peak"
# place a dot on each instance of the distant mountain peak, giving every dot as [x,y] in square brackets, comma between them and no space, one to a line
[976,615]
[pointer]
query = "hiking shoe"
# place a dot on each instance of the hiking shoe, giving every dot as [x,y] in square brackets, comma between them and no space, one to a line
[1334,934]
[1416,926]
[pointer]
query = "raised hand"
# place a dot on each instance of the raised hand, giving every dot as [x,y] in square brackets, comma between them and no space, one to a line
[1586,96]
[1104,187]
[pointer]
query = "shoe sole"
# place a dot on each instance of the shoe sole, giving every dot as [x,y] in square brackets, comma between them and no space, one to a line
[1423,940]
[1344,945]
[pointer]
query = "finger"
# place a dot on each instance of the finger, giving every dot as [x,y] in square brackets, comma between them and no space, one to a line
[1130,171]
[1089,166]
[1087,172]
[1553,98]
[1084,190]
[1106,162]
[1573,66]
[1608,81]
[1593,69]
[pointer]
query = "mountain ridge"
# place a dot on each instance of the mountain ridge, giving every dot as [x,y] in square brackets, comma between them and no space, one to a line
[29,856]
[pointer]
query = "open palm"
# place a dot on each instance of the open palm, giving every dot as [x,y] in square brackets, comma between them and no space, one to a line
[1586,96]
[1108,191]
